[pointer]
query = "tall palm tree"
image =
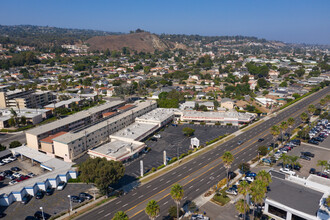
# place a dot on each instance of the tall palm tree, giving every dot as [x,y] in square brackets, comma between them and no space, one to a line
[227,159]
[322,102]
[293,160]
[243,189]
[304,117]
[291,122]
[322,163]
[258,192]
[152,209]
[275,131]
[242,206]
[283,127]
[120,216]
[177,195]
[265,177]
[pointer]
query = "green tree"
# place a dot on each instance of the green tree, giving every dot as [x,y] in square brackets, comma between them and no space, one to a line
[241,206]
[14,115]
[322,164]
[262,83]
[177,195]
[187,131]
[258,191]
[304,117]
[11,122]
[283,127]
[275,131]
[285,160]
[311,109]
[23,120]
[300,72]
[15,144]
[227,159]
[290,122]
[101,172]
[152,209]
[263,150]
[265,177]
[244,188]
[322,102]
[120,216]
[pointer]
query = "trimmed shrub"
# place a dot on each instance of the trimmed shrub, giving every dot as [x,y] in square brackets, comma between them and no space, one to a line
[160,167]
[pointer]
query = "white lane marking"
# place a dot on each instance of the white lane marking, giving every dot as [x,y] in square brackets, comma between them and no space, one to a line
[155,188]
[173,173]
[208,182]
[184,167]
[184,198]
[107,214]
[148,186]
[118,202]
[134,194]
[199,164]
[218,175]
[201,180]
[168,181]
[165,202]
[194,162]
[212,173]
[209,158]
[180,175]
[250,154]
[161,180]
[140,196]
[197,190]
[125,205]
[100,212]
[190,169]
[190,187]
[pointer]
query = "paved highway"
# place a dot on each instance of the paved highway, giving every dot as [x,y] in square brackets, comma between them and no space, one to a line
[198,175]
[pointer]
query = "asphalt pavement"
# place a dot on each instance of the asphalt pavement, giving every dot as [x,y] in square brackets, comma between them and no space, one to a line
[198,175]
[7,138]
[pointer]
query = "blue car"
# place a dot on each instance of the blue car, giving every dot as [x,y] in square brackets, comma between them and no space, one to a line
[250,174]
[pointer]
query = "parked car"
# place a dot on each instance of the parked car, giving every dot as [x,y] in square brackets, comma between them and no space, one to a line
[13,182]
[2,178]
[312,141]
[17,175]
[231,192]
[76,199]
[312,171]
[305,157]
[251,174]
[41,215]
[6,160]
[49,191]
[12,158]
[157,136]
[31,175]
[26,199]
[85,196]
[61,185]
[249,178]
[22,178]
[40,194]
[15,169]
[2,163]
[308,154]
[287,171]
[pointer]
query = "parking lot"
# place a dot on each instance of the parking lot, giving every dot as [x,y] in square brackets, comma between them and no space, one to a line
[52,205]
[173,142]
[25,166]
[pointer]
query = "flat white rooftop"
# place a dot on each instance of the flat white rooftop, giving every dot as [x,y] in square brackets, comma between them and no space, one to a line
[117,149]
[157,115]
[135,131]
[233,116]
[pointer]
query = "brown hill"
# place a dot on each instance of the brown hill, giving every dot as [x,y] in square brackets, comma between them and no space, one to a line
[144,41]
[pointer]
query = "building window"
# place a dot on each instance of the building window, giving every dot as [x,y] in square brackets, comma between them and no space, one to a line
[276,211]
[295,217]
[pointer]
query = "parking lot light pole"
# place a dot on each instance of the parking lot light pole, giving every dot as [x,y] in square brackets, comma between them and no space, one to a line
[42,213]
[69,196]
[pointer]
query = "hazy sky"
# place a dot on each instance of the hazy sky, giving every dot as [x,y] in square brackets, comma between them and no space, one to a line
[286,20]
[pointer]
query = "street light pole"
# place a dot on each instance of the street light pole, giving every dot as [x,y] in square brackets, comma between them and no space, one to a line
[42,212]
[70,210]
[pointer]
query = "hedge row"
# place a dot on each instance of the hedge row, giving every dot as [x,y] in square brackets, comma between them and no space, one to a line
[215,140]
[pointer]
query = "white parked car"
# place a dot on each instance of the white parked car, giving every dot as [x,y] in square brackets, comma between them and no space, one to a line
[6,160]
[249,178]
[17,175]
[287,171]
[157,136]
[12,182]
[61,185]
[231,192]
[12,158]
[2,163]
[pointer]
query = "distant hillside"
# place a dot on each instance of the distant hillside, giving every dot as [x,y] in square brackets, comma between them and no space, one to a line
[142,41]
[44,36]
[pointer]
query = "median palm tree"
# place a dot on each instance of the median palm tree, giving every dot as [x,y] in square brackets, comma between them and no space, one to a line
[275,131]
[152,209]
[304,117]
[243,189]
[227,159]
[120,216]
[322,102]
[311,109]
[264,177]
[322,164]
[283,127]
[291,122]
[241,207]
[177,195]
